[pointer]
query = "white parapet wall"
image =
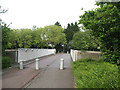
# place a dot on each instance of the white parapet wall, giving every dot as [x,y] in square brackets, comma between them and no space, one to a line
[26,54]
[73,54]
[76,54]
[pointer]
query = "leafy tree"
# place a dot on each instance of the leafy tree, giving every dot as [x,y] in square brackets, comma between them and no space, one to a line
[5,36]
[4,30]
[84,41]
[13,39]
[70,30]
[54,35]
[25,38]
[105,25]
[39,40]
[57,23]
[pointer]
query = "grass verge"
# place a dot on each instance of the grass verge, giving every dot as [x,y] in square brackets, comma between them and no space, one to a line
[90,73]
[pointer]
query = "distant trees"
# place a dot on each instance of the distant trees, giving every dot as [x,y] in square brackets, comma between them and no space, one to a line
[38,38]
[70,30]
[54,35]
[84,41]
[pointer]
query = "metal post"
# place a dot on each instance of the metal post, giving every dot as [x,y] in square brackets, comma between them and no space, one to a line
[37,64]
[62,63]
[21,64]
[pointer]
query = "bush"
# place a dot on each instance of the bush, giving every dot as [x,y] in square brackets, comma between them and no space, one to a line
[90,73]
[6,62]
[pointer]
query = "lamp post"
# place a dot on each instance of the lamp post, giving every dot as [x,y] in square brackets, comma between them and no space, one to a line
[63,47]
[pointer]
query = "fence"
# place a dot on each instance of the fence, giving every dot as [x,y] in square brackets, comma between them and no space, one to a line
[26,54]
[76,54]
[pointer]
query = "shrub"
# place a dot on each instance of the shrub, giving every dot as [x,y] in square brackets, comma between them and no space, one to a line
[6,62]
[95,74]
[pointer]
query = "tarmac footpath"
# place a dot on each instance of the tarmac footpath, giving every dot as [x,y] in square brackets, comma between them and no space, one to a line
[53,77]
[49,75]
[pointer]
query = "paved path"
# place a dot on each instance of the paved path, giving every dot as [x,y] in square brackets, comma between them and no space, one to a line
[52,77]
[49,75]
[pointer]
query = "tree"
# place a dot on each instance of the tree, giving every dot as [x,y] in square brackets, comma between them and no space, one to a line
[84,41]
[57,23]
[104,23]
[38,39]
[25,38]
[4,30]
[5,36]
[13,39]
[70,30]
[54,35]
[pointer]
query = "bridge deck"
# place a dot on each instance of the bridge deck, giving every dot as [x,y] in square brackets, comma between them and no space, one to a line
[49,75]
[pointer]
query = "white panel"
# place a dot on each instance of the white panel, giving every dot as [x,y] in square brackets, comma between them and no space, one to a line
[26,54]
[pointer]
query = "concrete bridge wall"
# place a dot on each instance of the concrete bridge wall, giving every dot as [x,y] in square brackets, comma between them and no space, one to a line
[76,54]
[26,54]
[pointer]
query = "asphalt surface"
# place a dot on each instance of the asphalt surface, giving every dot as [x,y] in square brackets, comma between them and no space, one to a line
[49,75]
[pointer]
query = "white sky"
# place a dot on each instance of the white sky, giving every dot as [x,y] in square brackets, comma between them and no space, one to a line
[26,13]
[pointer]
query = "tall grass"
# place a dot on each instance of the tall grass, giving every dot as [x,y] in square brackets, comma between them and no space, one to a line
[90,73]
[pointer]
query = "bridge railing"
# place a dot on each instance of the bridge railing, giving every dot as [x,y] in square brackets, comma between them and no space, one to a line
[76,54]
[26,54]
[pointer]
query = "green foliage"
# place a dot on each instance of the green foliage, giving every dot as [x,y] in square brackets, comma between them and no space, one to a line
[4,30]
[13,39]
[70,30]
[5,36]
[57,23]
[90,73]
[6,62]
[84,41]
[25,38]
[104,23]
[37,38]
[54,34]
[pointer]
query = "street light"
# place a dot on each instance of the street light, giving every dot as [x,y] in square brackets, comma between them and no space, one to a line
[63,47]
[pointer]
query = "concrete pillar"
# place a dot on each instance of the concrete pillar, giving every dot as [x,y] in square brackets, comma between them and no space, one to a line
[21,64]
[16,56]
[62,63]
[37,64]
[67,52]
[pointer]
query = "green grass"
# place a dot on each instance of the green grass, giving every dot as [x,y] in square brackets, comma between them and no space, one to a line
[90,73]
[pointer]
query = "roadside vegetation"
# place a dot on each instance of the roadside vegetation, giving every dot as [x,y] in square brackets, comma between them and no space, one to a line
[103,23]
[6,62]
[90,73]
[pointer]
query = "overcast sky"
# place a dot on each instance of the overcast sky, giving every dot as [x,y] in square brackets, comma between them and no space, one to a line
[26,13]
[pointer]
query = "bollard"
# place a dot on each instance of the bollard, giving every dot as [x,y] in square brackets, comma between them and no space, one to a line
[67,52]
[37,64]
[21,64]
[61,63]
